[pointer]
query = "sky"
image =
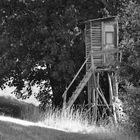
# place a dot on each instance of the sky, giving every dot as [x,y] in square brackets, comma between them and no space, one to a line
[7,92]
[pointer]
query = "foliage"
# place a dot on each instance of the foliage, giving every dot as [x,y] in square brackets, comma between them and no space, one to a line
[38,42]
[130,65]
[130,42]
[17,109]
[131,107]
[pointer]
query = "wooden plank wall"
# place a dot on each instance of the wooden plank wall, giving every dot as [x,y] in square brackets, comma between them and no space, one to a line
[93,40]
[97,42]
[88,43]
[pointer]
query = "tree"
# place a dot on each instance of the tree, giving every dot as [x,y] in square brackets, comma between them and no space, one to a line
[38,42]
[130,66]
[41,33]
[130,43]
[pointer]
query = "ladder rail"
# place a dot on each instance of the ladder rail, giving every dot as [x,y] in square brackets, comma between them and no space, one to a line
[79,89]
[64,94]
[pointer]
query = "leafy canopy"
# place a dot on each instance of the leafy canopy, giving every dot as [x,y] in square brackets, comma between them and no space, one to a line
[130,43]
[41,43]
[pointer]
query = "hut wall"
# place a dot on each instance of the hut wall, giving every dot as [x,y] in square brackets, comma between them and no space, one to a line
[96,42]
[88,43]
[101,35]
[93,40]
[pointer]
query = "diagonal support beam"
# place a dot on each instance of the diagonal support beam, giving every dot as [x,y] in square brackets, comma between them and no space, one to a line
[79,88]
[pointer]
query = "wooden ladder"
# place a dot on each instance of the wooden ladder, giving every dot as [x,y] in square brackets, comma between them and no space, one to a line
[79,88]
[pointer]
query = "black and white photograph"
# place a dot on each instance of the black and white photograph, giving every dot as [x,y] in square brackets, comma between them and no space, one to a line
[69,70]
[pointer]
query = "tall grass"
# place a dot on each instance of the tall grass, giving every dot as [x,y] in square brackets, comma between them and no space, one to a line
[77,121]
[73,120]
[68,120]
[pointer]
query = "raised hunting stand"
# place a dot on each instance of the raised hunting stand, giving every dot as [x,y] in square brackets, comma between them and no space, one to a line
[101,41]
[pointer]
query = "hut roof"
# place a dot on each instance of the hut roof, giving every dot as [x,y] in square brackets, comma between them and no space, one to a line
[102,19]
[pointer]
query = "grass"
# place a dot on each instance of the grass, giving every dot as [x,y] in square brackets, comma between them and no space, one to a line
[76,121]
[13,107]
[67,120]
[72,121]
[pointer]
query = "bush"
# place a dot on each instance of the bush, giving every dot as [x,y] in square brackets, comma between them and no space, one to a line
[131,102]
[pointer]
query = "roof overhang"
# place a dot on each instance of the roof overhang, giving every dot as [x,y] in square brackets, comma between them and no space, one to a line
[102,19]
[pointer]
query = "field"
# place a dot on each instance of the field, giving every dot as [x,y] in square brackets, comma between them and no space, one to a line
[54,124]
[57,126]
[15,129]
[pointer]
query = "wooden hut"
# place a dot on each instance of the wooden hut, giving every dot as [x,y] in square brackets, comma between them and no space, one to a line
[101,36]
[101,48]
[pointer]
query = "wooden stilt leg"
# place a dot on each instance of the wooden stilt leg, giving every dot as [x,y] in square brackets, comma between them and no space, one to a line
[115,95]
[90,91]
[94,89]
[110,90]
[112,98]
[97,95]
[89,94]
[64,101]
[116,87]
[94,105]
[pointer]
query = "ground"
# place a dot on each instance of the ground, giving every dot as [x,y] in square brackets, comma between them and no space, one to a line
[16,129]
